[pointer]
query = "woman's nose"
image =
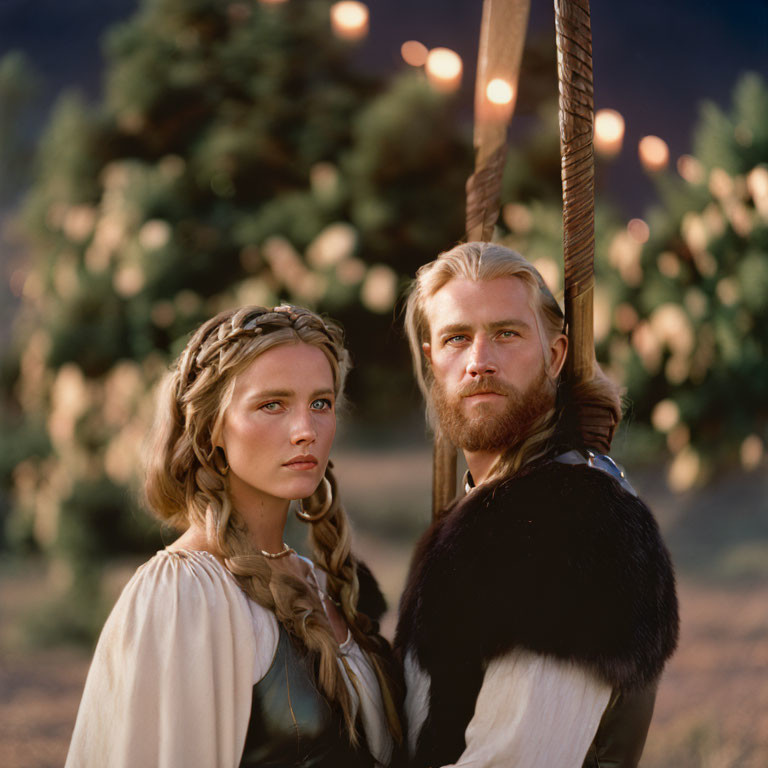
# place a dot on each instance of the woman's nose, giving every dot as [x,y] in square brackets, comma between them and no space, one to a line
[303,430]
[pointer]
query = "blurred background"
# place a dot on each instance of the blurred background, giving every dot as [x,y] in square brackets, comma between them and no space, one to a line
[161,160]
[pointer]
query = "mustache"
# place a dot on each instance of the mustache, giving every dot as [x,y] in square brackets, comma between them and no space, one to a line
[486,384]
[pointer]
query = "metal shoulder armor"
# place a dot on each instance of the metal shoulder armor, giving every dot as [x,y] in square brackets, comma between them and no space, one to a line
[598,461]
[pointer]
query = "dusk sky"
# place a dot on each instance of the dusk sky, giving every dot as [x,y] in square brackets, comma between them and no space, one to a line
[654,61]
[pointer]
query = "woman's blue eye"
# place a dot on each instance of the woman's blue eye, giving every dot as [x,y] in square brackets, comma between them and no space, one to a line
[455,338]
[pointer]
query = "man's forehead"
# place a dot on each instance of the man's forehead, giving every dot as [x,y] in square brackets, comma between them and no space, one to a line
[479,302]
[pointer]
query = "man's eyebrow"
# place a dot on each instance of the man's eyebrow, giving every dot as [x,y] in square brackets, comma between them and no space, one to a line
[511,322]
[455,328]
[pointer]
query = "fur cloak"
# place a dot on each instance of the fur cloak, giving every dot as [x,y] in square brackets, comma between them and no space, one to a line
[560,560]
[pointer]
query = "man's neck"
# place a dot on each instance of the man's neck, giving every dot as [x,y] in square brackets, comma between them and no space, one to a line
[480,464]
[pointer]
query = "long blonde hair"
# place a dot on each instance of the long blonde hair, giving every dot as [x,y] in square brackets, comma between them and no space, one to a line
[186,484]
[489,261]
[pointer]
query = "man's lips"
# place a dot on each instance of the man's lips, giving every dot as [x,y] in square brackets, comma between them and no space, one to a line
[306,461]
[483,395]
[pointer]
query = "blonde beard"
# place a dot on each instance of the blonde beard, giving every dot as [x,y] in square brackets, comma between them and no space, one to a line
[488,429]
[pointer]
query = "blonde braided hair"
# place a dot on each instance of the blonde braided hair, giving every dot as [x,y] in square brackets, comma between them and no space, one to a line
[185,485]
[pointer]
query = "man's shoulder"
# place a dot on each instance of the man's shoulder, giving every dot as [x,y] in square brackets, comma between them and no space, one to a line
[560,560]
[582,497]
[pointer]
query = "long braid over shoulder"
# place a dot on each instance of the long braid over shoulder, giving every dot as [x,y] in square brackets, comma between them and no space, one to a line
[186,484]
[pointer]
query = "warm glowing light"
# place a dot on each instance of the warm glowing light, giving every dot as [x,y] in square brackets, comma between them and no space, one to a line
[654,153]
[665,416]
[414,53]
[685,470]
[349,20]
[444,68]
[757,185]
[379,290]
[639,230]
[690,169]
[609,132]
[499,91]
[752,452]
[721,184]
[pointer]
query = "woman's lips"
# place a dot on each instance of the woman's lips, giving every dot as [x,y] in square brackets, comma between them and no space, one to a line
[301,463]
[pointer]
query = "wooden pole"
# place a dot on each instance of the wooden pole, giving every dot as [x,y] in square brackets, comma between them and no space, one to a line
[574,65]
[595,421]
[502,36]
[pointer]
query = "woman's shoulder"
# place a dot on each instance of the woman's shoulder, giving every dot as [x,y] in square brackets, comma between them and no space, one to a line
[185,571]
[180,590]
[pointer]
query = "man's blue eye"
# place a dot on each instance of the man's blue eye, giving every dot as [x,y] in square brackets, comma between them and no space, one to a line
[321,404]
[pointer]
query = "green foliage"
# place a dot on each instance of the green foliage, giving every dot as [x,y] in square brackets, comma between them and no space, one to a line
[681,316]
[74,617]
[99,520]
[237,157]
[736,141]
[18,88]
[692,302]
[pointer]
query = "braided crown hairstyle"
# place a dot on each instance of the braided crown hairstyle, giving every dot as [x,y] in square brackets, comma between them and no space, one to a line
[185,485]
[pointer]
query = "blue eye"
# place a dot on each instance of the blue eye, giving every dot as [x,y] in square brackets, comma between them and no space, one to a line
[321,404]
[273,406]
[508,334]
[453,339]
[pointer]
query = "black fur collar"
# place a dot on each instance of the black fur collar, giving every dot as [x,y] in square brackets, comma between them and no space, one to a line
[561,561]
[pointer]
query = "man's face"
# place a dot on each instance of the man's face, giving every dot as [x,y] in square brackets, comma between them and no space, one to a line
[491,376]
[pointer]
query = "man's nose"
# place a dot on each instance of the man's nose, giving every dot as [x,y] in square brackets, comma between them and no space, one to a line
[303,430]
[481,362]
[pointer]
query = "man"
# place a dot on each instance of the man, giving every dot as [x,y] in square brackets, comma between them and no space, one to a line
[540,608]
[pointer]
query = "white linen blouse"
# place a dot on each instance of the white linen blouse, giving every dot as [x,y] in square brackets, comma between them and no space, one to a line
[532,711]
[171,679]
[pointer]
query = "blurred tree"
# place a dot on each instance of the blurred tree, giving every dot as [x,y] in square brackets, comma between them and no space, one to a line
[681,301]
[685,308]
[18,89]
[238,157]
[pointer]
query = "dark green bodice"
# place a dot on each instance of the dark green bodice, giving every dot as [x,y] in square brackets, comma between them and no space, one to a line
[620,737]
[292,725]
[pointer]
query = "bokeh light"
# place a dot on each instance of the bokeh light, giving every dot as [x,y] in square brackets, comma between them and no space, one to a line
[639,230]
[752,452]
[499,91]
[349,20]
[665,416]
[444,68]
[654,153]
[414,53]
[690,169]
[609,132]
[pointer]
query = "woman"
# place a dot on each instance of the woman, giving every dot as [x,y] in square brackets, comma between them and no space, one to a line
[226,648]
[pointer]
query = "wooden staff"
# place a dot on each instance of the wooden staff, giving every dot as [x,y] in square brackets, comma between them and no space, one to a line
[502,35]
[595,421]
[574,69]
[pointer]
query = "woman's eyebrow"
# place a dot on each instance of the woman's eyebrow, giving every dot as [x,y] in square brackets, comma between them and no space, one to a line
[268,393]
[276,393]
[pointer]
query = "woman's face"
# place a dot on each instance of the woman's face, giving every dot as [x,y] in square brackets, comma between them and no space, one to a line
[279,427]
